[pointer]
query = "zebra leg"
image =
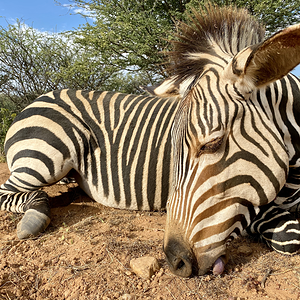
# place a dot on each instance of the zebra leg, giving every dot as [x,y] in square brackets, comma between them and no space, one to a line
[34,204]
[278,227]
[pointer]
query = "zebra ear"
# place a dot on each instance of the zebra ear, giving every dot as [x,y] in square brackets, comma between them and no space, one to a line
[266,62]
[171,87]
[168,88]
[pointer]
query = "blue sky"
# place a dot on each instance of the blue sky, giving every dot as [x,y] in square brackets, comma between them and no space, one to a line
[46,15]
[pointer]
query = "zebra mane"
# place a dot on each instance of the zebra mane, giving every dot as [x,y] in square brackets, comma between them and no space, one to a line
[213,30]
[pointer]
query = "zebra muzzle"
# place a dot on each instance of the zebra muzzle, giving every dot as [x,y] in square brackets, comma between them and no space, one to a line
[211,259]
[179,258]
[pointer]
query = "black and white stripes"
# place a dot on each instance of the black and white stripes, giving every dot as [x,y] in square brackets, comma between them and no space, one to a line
[119,146]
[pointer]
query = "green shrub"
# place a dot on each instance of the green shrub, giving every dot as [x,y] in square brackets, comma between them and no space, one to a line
[6,117]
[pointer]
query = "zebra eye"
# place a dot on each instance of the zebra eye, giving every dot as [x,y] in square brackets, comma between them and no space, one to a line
[211,146]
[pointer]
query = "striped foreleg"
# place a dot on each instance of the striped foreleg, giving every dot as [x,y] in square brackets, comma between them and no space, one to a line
[34,205]
[278,227]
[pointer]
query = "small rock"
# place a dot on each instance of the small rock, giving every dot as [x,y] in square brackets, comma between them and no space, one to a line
[145,266]
[139,286]
[206,278]
[160,273]
[128,273]
[244,250]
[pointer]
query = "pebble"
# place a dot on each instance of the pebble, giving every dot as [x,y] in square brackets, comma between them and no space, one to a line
[140,286]
[206,278]
[144,266]
[128,273]
[160,273]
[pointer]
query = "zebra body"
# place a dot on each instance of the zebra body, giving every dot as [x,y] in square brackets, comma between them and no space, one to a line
[118,146]
[222,156]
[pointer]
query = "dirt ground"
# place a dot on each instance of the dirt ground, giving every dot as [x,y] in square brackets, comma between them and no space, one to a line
[86,250]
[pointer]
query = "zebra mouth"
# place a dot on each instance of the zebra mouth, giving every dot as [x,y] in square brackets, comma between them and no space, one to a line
[219,266]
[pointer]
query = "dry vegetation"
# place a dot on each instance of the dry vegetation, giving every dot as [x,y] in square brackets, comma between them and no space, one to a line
[85,254]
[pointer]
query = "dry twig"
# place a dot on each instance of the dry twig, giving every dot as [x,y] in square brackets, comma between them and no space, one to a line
[265,278]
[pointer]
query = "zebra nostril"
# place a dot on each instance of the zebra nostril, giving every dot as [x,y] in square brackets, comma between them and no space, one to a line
[181,264]
[182,267]
[178,258]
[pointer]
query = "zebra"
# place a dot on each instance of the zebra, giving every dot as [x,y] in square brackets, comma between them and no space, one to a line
[220,154]
[203,58]
[235,138]
[116,146]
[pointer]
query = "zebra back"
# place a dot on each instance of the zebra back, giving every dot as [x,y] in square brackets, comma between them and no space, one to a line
[118,145]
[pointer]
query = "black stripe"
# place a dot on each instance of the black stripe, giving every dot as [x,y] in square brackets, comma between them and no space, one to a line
[216,103]
[35,132]
[198,96]
[244,133]
[154,155]
[143,153]
[154,152]
[29,171]
[277,139]
[37,155]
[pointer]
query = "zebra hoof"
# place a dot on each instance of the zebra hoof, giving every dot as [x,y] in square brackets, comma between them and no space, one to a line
[32,223]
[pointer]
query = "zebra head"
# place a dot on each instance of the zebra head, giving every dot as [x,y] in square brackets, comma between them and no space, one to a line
[229,157]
